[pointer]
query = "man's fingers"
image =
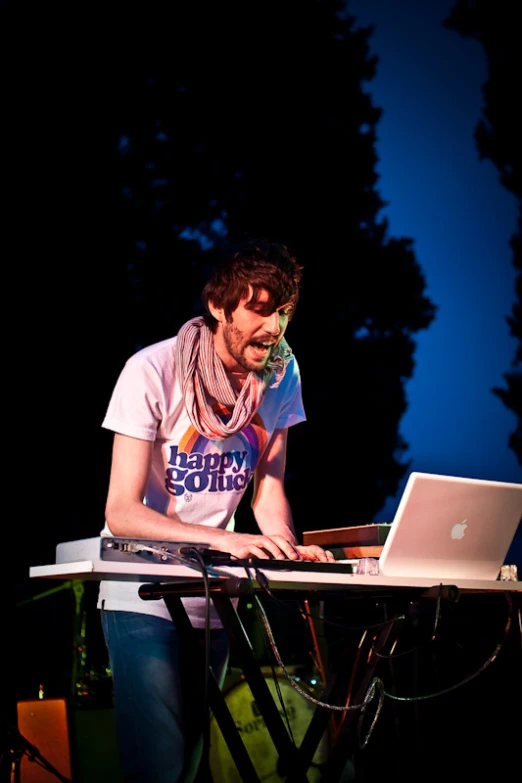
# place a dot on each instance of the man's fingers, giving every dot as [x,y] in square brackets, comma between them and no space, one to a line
[314,552]
[266,547]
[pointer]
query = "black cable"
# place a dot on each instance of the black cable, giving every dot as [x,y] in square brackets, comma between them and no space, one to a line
[192,557]
[376,685]
[196,554]
[474,674]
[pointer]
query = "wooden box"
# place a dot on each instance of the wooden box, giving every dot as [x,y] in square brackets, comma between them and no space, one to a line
[350,543]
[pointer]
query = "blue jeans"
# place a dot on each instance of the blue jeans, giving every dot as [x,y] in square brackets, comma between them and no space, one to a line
[151,718]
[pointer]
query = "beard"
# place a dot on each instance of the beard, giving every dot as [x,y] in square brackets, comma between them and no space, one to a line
[251,355]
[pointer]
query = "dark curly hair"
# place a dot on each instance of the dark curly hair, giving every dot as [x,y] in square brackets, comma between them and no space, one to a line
[259,265]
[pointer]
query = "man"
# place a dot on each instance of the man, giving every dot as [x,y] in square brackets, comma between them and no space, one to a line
[196,417]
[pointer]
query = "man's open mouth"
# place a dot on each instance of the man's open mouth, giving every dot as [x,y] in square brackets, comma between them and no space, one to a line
[261,350]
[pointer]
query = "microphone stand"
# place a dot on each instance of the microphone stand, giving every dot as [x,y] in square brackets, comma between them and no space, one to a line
[18,746]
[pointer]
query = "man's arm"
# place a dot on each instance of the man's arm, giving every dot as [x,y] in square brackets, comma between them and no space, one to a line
[270,503]
[125,512]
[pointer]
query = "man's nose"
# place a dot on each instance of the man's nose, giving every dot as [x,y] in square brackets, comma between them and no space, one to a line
[271,325]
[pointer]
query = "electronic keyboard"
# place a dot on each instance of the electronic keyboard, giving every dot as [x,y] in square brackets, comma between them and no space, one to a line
[139,550]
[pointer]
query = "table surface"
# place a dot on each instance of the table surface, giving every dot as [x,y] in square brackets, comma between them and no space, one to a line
[96,569]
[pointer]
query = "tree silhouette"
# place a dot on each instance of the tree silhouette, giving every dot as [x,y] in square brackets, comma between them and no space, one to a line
[253,119]
[498,137]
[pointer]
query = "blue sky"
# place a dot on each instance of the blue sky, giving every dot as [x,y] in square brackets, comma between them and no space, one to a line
[429,84]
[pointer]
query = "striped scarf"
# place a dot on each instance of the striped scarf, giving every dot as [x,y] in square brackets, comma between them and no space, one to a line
[203,375]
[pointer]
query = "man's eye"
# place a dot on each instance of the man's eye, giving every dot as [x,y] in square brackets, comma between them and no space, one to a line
[285,312]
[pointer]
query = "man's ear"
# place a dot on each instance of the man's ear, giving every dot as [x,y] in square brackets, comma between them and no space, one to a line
[217,312]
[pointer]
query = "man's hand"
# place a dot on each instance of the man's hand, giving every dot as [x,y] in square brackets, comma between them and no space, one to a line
[314,552]
[243,545]
[265,547]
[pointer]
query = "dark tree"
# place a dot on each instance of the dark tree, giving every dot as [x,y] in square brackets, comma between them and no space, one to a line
[253,118]
[498,135]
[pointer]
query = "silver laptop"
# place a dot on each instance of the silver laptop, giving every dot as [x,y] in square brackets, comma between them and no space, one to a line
[452,527]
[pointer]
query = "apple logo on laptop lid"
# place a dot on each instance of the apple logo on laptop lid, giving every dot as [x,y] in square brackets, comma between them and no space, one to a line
[459,529]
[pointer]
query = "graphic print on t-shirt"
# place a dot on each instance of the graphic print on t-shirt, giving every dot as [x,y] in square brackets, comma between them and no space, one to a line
[198,464]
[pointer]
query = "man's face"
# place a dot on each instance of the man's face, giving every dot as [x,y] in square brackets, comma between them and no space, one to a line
[246,341]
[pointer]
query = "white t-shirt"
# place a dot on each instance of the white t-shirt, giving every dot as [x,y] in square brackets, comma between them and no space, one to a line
[198,480]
